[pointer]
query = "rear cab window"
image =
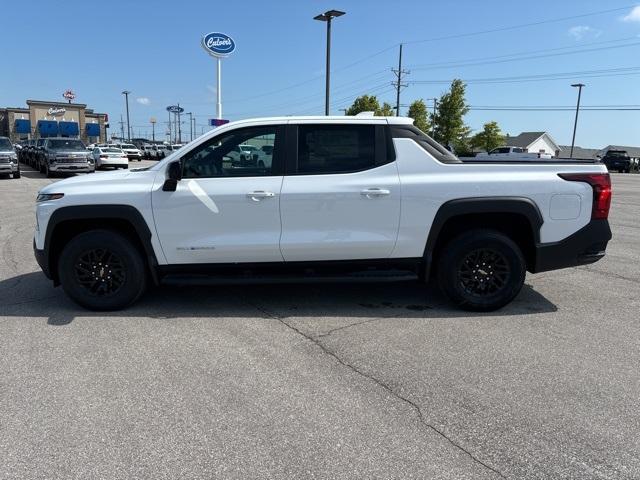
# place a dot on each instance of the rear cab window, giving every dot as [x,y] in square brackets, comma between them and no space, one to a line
[337,148]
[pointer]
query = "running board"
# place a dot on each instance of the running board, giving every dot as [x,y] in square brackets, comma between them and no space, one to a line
[357,277]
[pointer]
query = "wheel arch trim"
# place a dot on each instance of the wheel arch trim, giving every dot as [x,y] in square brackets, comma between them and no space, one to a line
[479,205]
[102,212]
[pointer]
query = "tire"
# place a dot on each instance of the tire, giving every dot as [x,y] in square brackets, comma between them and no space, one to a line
[464,283]
[47,171]
[82,257]
[16,174]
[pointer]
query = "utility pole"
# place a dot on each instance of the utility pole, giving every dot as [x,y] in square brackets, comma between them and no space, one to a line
[194,127]
[121,122]
[398,84]
[152,120]
[190,125]
[126,97]
[435,108]
[179,126]
[327,17]
[575,123]
[169,127]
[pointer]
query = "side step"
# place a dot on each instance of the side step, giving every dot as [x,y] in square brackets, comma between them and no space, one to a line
[262,279]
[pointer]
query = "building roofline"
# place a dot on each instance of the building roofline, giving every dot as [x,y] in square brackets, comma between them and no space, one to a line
[57,104]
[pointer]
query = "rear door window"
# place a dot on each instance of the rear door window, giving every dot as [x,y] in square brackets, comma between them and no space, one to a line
[324,149]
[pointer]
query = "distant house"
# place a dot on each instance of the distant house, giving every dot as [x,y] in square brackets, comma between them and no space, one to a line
[579,153]
[533,142]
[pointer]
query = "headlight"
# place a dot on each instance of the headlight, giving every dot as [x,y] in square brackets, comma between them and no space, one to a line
[13,158]
[45,197]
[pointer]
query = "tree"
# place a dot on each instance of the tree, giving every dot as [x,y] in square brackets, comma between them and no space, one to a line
[489,138]
[364,103]
[369,103]
[385,111]
[449,126]
[418,111]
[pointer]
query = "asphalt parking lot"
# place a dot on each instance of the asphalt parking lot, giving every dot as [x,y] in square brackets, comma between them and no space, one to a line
[321,381]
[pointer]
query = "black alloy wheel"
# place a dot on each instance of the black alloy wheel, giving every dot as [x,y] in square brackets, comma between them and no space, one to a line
[481,270]
[100,272]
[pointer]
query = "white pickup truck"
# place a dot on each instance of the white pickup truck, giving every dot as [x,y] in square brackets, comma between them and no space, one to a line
[506,154]
[362,198]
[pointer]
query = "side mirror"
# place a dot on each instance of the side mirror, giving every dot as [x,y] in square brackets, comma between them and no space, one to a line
[174,175]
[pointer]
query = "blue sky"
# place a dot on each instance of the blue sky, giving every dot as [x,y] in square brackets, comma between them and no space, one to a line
[153,49]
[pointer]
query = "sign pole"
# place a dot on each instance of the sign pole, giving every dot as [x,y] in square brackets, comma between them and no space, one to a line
[219,91]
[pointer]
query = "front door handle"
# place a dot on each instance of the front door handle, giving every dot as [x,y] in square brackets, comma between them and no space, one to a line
[375,192]
[258,195]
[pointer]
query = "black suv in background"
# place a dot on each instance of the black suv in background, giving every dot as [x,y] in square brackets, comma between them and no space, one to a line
[617,160]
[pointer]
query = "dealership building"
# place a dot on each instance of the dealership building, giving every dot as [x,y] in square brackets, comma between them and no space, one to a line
[53,119]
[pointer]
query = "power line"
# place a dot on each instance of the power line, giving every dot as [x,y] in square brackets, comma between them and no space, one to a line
[542,77]
[524,55]
[519,26]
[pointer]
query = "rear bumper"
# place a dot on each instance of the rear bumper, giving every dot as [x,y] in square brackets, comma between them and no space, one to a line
[585,246]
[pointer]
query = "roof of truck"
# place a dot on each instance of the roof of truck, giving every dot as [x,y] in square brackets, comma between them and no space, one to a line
[364,117]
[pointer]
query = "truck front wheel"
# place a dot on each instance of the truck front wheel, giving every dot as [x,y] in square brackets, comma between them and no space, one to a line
[481,270]
[102,270]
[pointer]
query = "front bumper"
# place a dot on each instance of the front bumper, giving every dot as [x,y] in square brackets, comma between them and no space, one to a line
[72,167]
[134,156]
[41,258]
[8,168]
[585,246]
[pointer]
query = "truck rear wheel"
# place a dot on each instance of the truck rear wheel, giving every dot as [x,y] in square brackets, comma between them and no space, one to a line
[102,270]
[481,270]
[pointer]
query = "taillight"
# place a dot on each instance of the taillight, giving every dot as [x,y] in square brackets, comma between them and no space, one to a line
[601,185]
[104,157]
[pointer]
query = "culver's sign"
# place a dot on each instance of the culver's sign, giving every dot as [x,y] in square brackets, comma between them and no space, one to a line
[55,111]
[218,44]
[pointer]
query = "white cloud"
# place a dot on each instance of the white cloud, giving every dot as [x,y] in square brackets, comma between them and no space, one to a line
[143,100]
[633,15]
[584,31]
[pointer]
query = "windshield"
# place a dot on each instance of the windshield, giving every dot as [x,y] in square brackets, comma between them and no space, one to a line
[128,145]
[66,145]
[5,144]
[112,150]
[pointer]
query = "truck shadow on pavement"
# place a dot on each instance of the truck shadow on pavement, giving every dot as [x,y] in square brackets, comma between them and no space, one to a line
[31,295]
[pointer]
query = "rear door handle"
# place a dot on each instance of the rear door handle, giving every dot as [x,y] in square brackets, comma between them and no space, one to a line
[258,195]
[375,192]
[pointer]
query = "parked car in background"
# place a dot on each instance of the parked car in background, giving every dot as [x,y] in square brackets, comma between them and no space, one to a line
[9,164]
[110,157]
[147,151]
[509,153]
[131,150]
[617,160]
[248,156]
[360,197]
[68,155]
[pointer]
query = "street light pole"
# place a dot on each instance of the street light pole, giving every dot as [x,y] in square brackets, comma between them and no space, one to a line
[575,123]
[153,129]
[327,17]
[126,98]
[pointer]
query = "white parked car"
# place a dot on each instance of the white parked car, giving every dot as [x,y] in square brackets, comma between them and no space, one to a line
[363,197]
[248,155]
[110,157]
[133,153]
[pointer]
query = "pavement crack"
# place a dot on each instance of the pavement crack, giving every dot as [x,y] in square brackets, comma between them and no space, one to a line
[380,383]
